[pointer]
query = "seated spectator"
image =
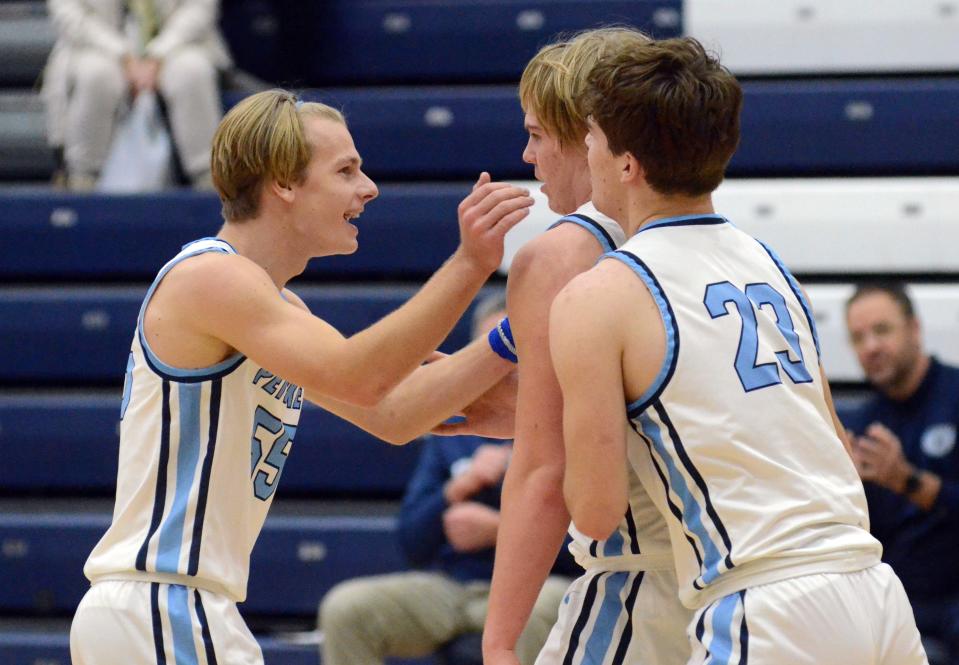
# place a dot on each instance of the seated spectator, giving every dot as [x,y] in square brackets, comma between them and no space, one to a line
[447,528]
[904,446]
[109,50]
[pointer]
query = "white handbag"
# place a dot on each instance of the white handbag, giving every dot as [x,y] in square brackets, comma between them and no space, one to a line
[139,159]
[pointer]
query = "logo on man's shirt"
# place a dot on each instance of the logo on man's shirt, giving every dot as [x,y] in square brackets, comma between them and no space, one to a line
[938,440]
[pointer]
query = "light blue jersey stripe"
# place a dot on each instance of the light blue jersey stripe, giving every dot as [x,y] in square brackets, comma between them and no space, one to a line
[721,642]
[669,325]
[184,648]
[599,640]
[188,455]
[692,511]
[614,544]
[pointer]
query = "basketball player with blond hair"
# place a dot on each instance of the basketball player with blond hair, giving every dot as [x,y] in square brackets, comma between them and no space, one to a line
[221,360]
[624,609]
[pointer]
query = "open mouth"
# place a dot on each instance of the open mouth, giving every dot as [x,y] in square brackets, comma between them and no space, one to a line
[350,216]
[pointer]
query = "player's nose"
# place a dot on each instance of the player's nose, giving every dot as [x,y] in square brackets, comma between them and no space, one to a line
[368,190]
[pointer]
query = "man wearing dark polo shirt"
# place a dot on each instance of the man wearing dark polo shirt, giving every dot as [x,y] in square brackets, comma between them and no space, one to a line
[904,446]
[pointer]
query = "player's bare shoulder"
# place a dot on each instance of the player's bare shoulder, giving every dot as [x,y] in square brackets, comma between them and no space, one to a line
[554,257]
[201,299]
[211,281]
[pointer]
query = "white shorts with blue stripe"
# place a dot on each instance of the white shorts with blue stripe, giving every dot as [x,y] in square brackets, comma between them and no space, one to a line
[620,617]
[123,622]
[858,618]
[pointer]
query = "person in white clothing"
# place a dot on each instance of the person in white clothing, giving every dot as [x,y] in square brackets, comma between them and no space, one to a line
[223,357]
[624,609]
[108,51]
[695,336]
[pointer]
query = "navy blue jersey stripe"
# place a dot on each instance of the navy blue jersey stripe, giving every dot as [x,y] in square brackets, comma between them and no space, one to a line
[688,220]
[624,639]
[216,389]
[159,498]
[698,479]
[218,373]
[701,625]
[204,629]
[599,227]
[157,623]
[582,619]
[673,508]
[593,548]
[631,527]
[743,633]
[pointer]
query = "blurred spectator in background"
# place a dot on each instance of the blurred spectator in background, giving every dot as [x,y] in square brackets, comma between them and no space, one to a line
[904,446]
[447,526]
[110,50]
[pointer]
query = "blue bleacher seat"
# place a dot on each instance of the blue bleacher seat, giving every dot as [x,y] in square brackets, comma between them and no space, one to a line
[406,233]
[296,560]
[82,334]
[79,431]
[845,126]
[377,41]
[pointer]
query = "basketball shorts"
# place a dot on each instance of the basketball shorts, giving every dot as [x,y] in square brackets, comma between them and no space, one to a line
[859,618]
[146,623]
[619,618]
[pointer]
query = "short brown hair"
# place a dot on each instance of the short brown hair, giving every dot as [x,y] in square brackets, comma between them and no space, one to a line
[553,82]
[261,139]
[895,290]
[674,108]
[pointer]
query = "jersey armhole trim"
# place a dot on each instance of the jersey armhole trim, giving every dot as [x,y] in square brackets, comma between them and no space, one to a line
[798,292]
[178,374]
[670,327]
[592,226]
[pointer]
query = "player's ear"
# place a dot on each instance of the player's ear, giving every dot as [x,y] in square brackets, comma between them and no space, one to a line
[630,168]
[282,190]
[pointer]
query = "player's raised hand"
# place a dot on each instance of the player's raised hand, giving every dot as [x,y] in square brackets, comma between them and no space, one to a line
[490,210]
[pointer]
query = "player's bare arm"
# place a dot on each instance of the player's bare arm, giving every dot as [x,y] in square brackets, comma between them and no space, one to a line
[229,303]
[607,343]
[534,518]
[431,394]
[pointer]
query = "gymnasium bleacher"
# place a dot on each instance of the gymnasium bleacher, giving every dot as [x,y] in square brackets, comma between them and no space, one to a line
[847,167]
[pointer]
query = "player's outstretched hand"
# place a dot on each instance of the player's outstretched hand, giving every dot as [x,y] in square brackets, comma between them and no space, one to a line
[491,209]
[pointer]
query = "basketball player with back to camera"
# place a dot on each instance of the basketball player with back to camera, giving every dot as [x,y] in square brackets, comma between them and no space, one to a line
[625,608]
[223,357]
[696,335]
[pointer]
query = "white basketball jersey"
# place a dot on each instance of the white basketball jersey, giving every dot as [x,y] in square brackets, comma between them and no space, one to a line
[201,453]
[641,541]
[737,446]
[607,232]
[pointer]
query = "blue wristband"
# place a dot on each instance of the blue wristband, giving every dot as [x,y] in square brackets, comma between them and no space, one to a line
[501,341]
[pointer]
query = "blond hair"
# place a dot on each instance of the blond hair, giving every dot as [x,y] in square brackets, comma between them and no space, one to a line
[553,82]
[262,139]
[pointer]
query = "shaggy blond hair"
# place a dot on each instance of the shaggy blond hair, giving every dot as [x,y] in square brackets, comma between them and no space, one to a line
[553,82]
[260,140]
